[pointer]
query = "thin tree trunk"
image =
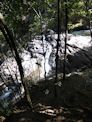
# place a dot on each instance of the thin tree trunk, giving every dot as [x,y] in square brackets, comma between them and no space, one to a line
[10,40]
[66,32]
[57,48]
[58,40]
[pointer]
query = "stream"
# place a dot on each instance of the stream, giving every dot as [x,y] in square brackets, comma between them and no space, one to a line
[39,56]
[38,59]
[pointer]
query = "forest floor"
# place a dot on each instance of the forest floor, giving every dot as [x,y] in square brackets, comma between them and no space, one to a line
[70,101]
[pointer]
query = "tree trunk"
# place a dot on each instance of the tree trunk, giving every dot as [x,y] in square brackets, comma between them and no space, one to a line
[66,32]
[10,40]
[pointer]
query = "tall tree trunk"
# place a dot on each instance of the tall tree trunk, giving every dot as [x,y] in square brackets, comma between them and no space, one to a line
[57,47]
[10,40]
[66,32]
[58,40]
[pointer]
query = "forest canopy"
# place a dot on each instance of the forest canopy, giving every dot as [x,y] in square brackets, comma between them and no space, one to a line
[32,16]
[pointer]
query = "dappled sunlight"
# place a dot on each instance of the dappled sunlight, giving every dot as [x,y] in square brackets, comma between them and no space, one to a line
[40,57]
[46,61]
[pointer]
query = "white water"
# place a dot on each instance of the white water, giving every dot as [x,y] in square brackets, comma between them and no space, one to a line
[41,48]
[34,68]
[38,48]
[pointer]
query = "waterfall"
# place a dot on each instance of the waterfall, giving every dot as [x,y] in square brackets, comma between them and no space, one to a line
[40,57]
[42,49]
[48,50]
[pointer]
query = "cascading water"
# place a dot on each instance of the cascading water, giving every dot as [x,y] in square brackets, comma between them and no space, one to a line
[37,60]
[43,50]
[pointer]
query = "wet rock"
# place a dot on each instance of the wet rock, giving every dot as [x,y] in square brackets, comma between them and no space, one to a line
[39,57]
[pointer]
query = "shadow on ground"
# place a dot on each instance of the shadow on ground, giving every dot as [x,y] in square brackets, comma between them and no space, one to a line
[72,101]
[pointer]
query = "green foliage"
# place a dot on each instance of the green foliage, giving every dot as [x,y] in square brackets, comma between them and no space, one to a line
[31,15]
[28,18]
[6,108]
